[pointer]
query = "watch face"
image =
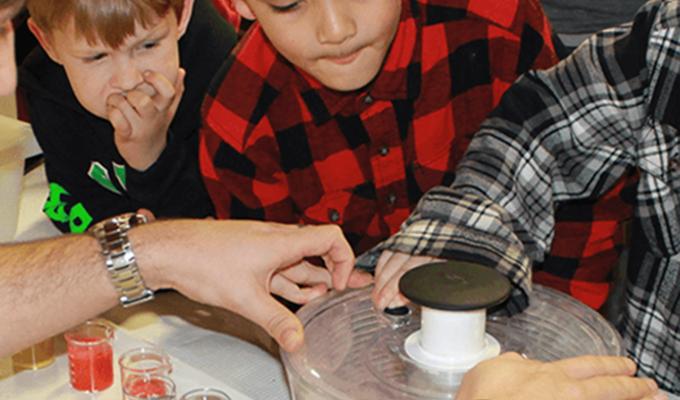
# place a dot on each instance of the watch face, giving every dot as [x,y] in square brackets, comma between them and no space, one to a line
[110,226]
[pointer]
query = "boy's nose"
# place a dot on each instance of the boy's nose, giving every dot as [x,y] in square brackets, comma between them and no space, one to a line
[335,24]
[127,77]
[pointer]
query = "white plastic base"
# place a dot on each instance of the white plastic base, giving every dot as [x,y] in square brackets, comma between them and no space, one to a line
[414,349]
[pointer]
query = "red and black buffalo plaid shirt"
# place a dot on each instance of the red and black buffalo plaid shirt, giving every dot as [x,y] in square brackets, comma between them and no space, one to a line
[278,146]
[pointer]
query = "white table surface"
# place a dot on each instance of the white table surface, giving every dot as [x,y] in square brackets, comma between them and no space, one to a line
[52,382]
[208,346]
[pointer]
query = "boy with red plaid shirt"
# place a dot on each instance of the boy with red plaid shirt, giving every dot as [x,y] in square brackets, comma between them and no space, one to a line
[348,111]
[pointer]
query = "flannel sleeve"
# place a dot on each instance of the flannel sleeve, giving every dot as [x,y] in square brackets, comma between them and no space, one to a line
[566,133]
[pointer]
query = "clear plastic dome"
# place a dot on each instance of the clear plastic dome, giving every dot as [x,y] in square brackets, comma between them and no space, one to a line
[353,352]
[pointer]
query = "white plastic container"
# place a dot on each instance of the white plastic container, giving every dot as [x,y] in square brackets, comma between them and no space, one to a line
[352,352]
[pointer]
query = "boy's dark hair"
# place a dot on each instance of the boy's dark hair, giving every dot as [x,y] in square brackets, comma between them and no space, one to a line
[108,21]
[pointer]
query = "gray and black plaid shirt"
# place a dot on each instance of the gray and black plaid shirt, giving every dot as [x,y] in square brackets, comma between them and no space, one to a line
[571,133]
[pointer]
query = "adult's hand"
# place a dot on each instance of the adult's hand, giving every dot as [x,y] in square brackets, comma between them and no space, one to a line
[232,264]
[305,281]
[511,377]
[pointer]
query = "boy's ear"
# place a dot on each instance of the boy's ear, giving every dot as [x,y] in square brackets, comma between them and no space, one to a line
[44,40]
[244,9]
[184,19]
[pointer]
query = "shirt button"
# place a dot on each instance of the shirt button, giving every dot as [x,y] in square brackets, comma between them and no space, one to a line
[383,150]
[368,99]
[392,198]
[333,215]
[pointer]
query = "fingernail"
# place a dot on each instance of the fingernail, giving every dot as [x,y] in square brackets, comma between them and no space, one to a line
[660,396]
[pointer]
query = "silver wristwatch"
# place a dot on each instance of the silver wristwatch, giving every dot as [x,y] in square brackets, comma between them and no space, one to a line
[120,259]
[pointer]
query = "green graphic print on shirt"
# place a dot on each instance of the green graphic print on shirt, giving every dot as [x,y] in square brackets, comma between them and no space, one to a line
[60,210]
[55,208]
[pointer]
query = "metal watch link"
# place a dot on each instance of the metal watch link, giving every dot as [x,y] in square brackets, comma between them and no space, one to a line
[120,258]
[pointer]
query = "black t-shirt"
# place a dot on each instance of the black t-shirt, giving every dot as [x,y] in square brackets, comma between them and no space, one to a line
[88,178]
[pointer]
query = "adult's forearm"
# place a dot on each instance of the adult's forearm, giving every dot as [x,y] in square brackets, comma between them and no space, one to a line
[49,286]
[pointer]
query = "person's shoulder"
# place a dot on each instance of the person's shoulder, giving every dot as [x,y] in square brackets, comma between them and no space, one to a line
[665,14]
[40,76]
[254,80]
[37,64]
[207,29]
[254,62]
[655,17]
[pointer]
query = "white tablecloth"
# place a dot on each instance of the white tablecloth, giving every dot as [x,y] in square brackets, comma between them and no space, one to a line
[53,382]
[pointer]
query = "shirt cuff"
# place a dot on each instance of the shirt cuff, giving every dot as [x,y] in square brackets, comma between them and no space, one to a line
[441,239]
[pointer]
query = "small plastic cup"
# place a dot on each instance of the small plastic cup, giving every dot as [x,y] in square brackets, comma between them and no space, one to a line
[90,356]
[144,361]
[145,387]
[205,394]
[40,355]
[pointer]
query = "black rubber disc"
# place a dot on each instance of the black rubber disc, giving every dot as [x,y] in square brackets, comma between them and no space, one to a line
[455,286]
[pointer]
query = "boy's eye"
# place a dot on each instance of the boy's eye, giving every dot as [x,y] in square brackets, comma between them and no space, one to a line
[285,8]
[149,44]
[96,57]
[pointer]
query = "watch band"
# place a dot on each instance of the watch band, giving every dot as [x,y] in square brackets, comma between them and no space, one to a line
[120,258]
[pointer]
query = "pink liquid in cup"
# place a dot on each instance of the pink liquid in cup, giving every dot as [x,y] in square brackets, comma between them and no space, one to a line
[90,356]
[147,388]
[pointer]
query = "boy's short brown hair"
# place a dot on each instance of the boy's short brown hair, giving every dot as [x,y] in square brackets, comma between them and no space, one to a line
[13,5]
[10,3]
[109,21]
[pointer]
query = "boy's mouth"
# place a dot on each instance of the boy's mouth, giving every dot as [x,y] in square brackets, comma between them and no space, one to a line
[344,59]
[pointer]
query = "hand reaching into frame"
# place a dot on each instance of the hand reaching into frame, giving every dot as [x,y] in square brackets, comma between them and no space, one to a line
[305,281]
[236,264]
[512,377]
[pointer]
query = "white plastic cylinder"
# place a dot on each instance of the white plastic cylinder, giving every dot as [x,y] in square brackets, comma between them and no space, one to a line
[448,334]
